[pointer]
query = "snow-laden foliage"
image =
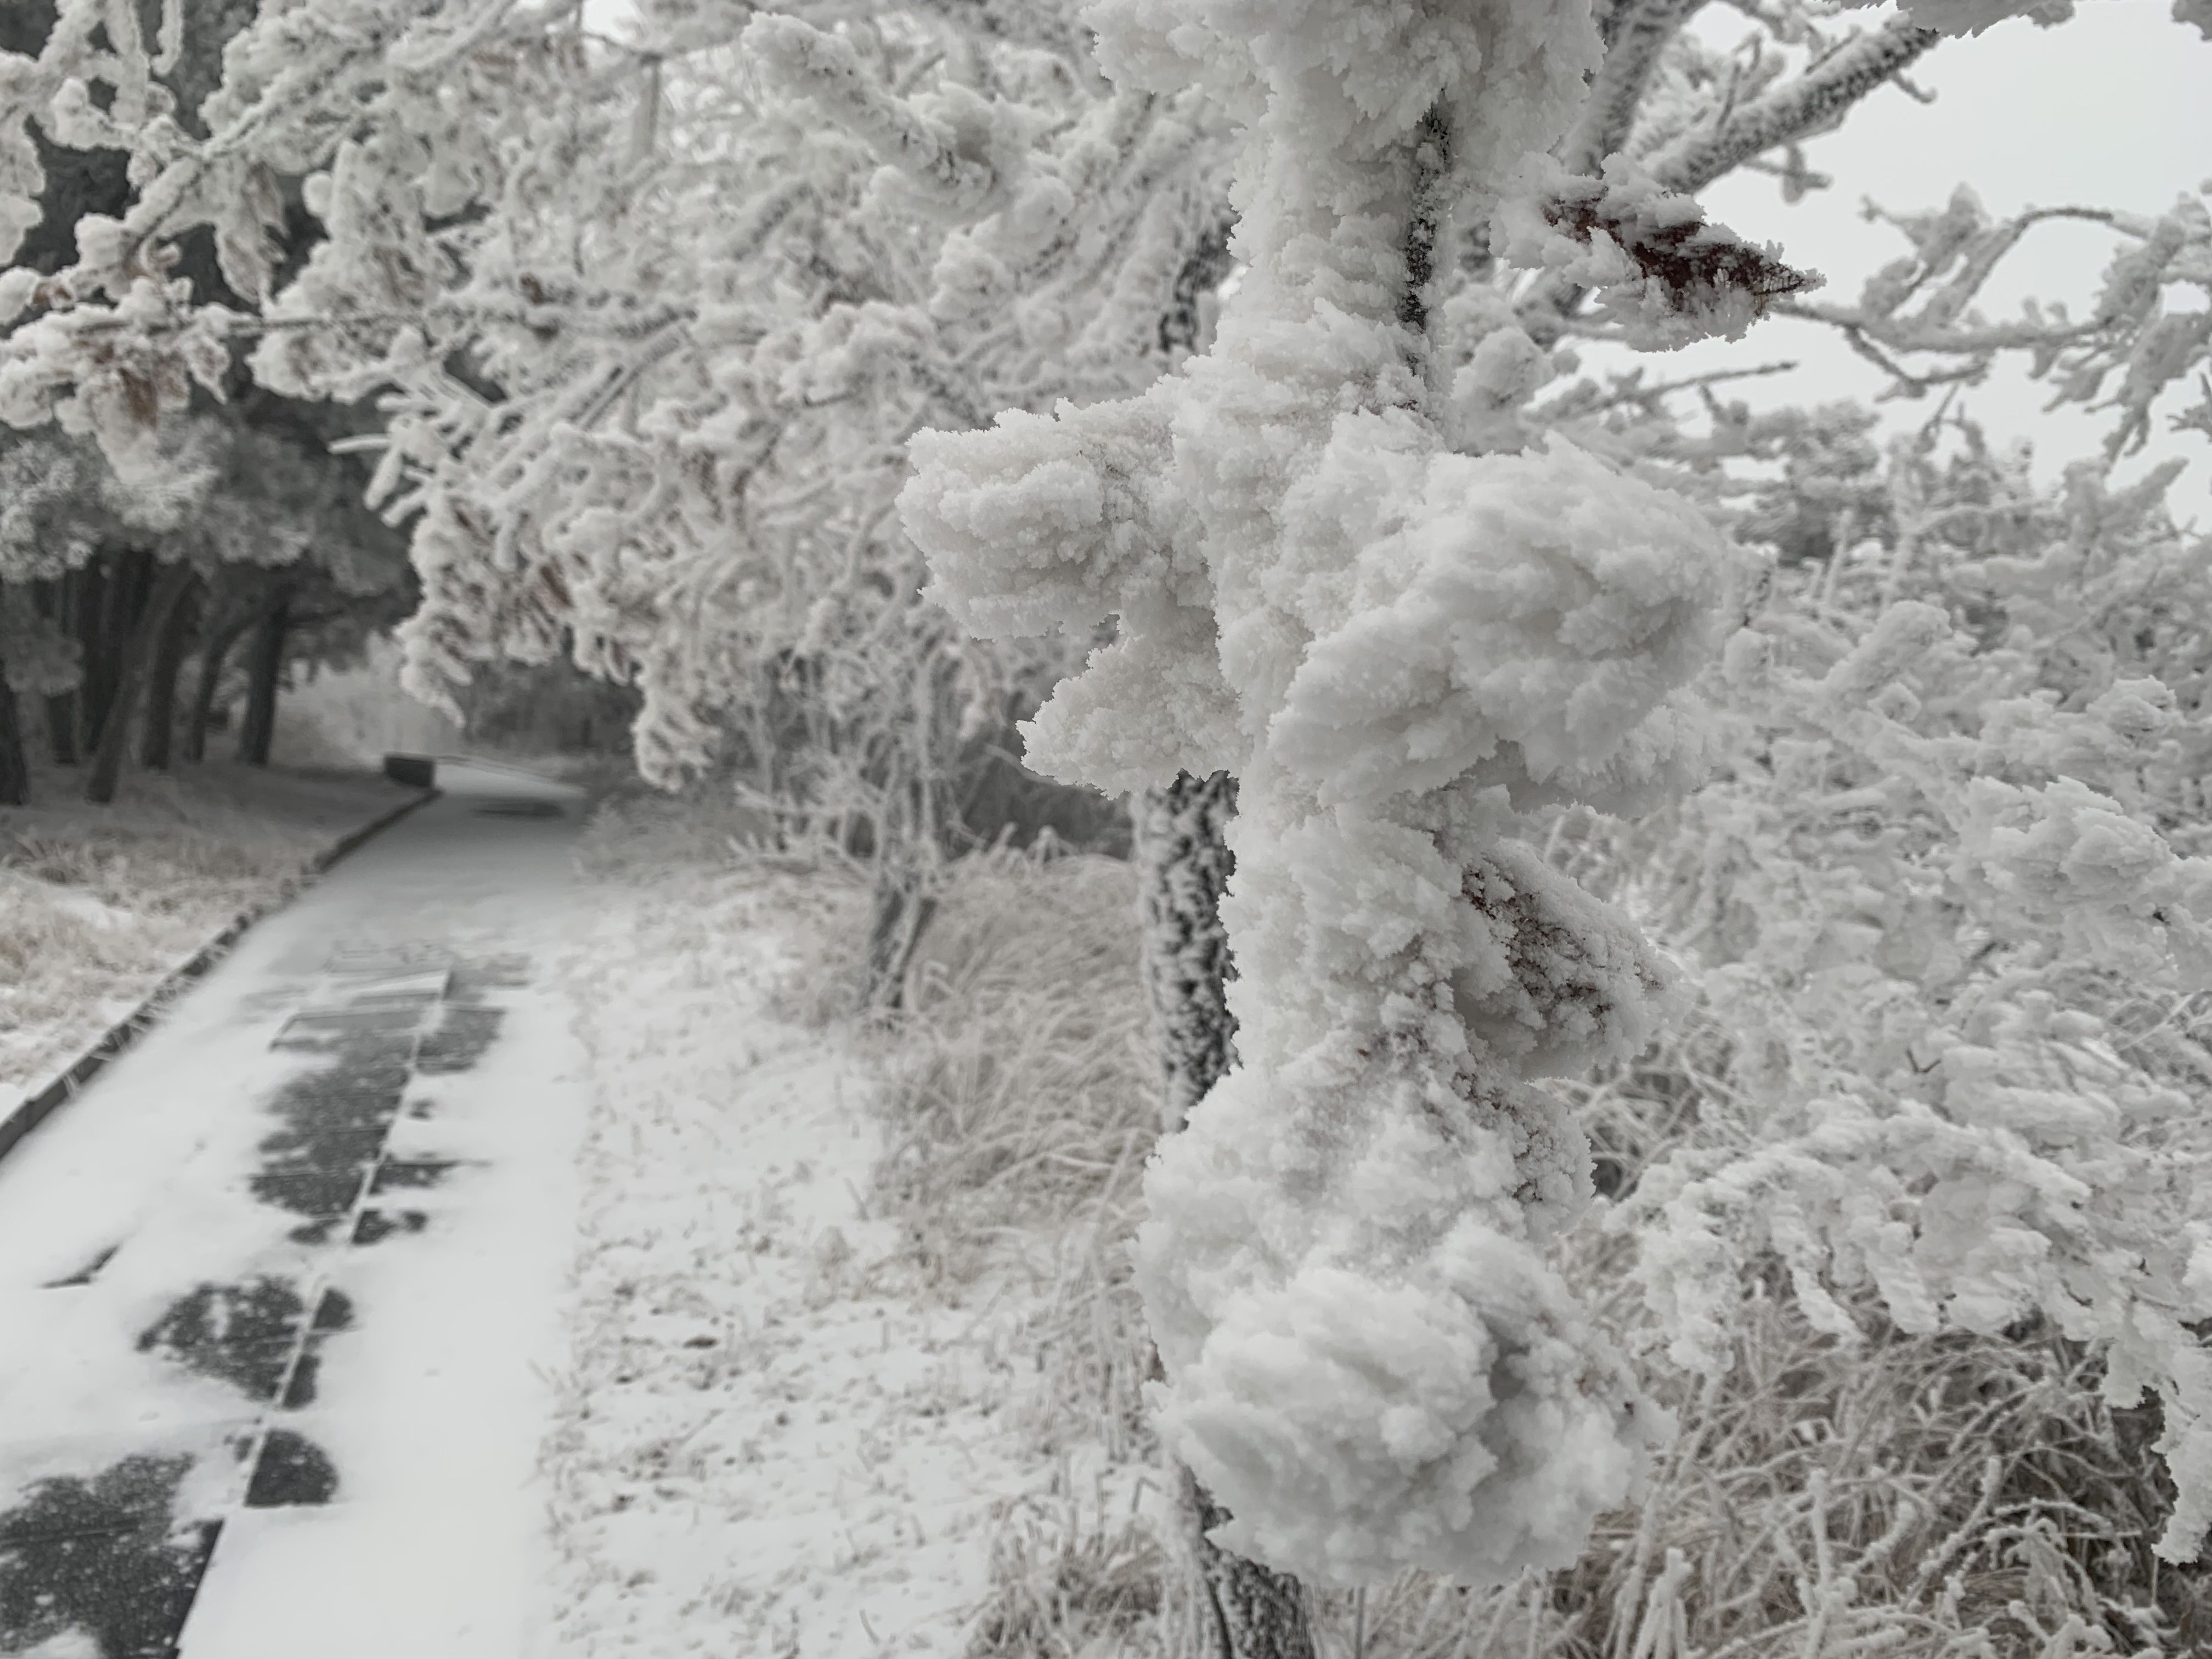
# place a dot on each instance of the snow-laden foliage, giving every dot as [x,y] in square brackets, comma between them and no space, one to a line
[224,496]
[1947,910]
[631,307]
[1661,271]
[1972,16]
[2147,333]
[59,503]
[52,498]
[649,335]
[1397,649]
[58,499]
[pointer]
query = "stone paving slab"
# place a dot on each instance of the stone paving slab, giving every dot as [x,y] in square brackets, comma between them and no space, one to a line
[301,1251]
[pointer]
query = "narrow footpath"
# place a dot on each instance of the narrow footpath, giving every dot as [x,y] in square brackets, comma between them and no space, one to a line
[279,1292]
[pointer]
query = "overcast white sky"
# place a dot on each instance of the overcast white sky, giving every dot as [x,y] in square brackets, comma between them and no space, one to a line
[2111,109]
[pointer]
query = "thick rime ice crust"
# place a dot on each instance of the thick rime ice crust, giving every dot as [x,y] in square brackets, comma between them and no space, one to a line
[1397,649]
[1515,622]
[1369,1363]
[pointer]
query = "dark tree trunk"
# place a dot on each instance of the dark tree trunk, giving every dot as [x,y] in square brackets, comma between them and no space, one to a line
[115,592]
[1246,1611]
[135,660]
[89,610]
[61,728]
[264,668]
[15,766]
[161,684]
[215,650]
[56,601]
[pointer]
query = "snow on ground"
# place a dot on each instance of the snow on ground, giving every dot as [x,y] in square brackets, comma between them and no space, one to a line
[776,1411]
[99,904]
[773,1440]
[280,1292]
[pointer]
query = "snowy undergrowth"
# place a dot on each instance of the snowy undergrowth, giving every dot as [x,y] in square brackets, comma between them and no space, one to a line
[912,1242]
[1923,1495]
[98,904]
[1024,1096]
[1026,1088]
[785,1430]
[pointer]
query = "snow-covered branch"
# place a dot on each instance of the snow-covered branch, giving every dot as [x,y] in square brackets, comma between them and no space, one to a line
[947,158]
[1800,108]
[1640,32]
[2130,332]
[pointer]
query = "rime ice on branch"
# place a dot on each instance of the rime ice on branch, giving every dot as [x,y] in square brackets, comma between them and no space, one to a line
[1397,650]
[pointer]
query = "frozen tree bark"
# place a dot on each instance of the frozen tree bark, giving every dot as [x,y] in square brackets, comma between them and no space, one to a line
[1388,643]
[1183,862]
[1245,1611]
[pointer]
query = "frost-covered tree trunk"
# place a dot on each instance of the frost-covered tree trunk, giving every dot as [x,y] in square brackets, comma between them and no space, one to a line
[1183,864]
[264,671]
[1244,1610]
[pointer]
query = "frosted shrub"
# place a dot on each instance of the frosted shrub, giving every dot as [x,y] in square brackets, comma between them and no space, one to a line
[1946,902]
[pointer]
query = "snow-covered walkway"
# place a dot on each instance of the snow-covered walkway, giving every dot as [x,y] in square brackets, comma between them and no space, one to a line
[279,1294]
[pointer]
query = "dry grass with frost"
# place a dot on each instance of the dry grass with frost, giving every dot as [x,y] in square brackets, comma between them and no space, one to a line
[1023,1104]
[1925,1497]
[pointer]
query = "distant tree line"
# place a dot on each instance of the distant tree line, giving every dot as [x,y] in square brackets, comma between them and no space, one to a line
[147,602]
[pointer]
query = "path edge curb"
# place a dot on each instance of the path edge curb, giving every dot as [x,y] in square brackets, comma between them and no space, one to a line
[35,1108]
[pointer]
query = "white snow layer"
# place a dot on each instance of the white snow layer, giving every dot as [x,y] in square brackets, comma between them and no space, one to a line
[1397,649]
[766,1442]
